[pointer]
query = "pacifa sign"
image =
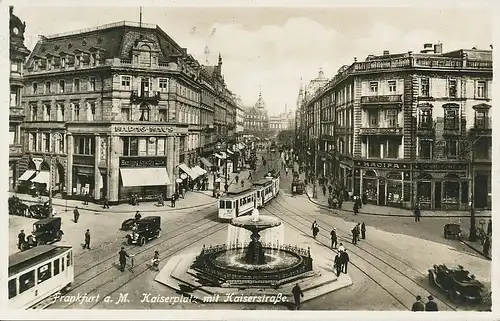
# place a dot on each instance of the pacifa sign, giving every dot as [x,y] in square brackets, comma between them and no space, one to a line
[382,165]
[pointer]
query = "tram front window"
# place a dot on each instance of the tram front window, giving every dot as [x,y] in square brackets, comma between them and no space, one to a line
[229,205]
[26,281]
[12,288]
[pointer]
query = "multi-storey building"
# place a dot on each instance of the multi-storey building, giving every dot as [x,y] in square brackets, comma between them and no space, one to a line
[18,53]
[116,110]
[256,119]
[409,128]
[280,122]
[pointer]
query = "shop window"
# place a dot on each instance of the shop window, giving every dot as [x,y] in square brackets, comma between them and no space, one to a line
[44,272]
[370,184]
[451,148]
[425,118]
[465,193]
[407,186]
[130,146]
[481,119]
[452,88]
[26,281]
[451,192]
[84,145]
[451,119]
[12,288]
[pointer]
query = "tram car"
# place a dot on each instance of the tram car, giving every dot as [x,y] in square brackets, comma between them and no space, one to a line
[265,191]
[37,274]
[237,203]
[276,184]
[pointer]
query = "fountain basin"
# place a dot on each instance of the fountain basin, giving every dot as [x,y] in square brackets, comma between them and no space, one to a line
[262,223]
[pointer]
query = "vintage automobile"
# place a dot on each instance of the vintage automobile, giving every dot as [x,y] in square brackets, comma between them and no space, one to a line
[459,284]
[128,223]
[45,231]
[452,231]
[16,207]
[145,230]
[39,210]
[297,185]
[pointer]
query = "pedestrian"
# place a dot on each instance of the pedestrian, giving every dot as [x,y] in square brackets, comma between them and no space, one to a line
[86,199]
[330,189]
[364,199]
[123,258]
[354,232]
[344,259]
[324,190]
[76,215]
[418,305]
[333,235]
[237,178]
[355,207]
[431,305]
[337,264]
[156,261]
[183,192]
[416,211]
[160,200]
[173,198]
[21,239]
[363,230]
[106,203]
[341,200]
[297,294]
[87,240]
[137,216]
[486,246]
[341,247]
[315,229]
[489,228]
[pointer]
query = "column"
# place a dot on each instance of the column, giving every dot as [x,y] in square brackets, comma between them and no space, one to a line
[114,170]
[69,164]
[170,165]
[97,173]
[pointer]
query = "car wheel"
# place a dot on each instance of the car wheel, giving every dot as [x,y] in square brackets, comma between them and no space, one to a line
[142,241]
[158,233]
[40,243]
[59,235]
[24,247]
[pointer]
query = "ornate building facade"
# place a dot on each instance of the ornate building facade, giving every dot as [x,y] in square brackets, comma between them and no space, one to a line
[17,54]
[112,118]
[257,119]
[407,128]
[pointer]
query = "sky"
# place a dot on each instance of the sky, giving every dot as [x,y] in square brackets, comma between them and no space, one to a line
[274,50]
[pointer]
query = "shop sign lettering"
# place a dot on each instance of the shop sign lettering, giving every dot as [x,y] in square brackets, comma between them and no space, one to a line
[144,129]
[386,165]
[83,160]
[442,166]
[142,162]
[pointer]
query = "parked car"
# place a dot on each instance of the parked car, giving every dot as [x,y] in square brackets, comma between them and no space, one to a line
[452,231]
[144,230]
[459,284]
[45,231]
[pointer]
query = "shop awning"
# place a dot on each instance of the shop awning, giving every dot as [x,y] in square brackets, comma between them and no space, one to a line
[206,162]
[188,170]
[27,175]
[43,178]
[200,171]
[156,176]
[219,156]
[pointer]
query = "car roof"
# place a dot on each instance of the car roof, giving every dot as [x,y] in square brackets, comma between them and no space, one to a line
[47,220]
[149,218]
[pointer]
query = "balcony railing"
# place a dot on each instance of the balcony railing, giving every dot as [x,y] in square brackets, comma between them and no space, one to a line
[381,99]
[147,96]
[373,131]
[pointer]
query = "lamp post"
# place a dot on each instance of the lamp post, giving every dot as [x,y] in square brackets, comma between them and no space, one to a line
[472,231]
[315,191]
[55,137]
[217,148]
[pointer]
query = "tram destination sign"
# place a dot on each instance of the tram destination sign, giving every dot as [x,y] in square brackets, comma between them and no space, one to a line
[148,129]
[382,165]
[142,162]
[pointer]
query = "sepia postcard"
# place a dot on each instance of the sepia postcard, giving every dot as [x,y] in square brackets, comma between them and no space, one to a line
[303,161]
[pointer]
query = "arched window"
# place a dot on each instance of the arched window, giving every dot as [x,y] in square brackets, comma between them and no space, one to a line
[145,55]
[370,173]
[145,110]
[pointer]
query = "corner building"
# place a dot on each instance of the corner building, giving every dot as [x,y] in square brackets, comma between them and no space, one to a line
[113,110]
[410,128]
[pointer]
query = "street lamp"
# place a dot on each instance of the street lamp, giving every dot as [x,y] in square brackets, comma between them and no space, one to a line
[315,191]
[217,149]
[55,137]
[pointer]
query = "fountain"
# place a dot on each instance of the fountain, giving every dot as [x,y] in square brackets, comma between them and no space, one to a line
[253,263]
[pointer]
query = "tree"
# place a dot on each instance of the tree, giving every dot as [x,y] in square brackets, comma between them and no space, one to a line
[286,137]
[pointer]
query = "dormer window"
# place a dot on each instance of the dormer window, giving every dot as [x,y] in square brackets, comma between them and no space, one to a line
[63,62]
[35,65]
[49,63]
[78,60]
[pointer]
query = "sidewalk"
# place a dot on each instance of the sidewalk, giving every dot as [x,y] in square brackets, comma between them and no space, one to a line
[192,199]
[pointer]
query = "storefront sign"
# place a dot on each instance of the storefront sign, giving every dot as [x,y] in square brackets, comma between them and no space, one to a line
[386,165]
[442,166]
[83,160]
[37,161]
[148,129]
[142,162]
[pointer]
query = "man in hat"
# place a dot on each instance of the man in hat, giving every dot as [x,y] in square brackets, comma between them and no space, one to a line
[363,230]
[21,239]
[431,305]
[344,258]
[76,215]
[418,305]
[333,235]
[297,294]
[337,263]
[87,240]
[123,258]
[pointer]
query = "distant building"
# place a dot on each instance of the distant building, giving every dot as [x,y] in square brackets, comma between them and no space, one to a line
[281,121]
[257,119]
[405,128]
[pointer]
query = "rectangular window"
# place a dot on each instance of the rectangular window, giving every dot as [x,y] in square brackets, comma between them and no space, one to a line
[162,115]
[34,113]
[451,119]
[163,84]
[91,111]
[78,60]
[452,88]
[26,281]
[34,87]
[13,98]
[125,113]
[426,118]
[391,118]
[391,148]
[84,145]
[126,82]
[451,148]
[12,288]
[62,85]
[44,272]
[48,88]
[76,111]
[374,87]
[134,146]
[63,62]
[76,85]
[60,112]
[92,84]
[392,86]
[481,89]
[425,151]
[57,267]
[373,148]
[46,112]
[49,64]
[229,204]
[14,67]
[373,118]
[424,87]
[222,204]
[480,119]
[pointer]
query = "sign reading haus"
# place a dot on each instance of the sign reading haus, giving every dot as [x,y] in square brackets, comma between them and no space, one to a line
[148,129]
[382,165]
[142,162]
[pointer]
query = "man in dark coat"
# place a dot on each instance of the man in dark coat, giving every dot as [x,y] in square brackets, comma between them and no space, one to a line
[344,259]
[123,258]
[355,207]
[237,178]
[363,230]
[87,240]
[297,294]
[416,211]
[21,239]
[333,235]
[315,229]
[418,305]
[173,199]
[490,228]
[431,305]
[486,246]
[341,200]
[76,215]
[355,235]
[337,263]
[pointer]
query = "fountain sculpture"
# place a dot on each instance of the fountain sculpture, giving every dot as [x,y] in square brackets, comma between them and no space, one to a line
[254,263]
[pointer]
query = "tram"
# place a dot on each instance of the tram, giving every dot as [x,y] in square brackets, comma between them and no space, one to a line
[237,203]
[38,273]
[265,191]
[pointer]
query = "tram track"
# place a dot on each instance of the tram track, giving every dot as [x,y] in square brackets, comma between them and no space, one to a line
[386,279]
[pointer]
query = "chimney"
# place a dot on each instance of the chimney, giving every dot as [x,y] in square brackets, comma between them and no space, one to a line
[438,48]
[386,52]
[428,48]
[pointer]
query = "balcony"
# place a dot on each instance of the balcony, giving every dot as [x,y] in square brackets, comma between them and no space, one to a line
[145,97]
[425,130]
[382,100]
[16,112]
[378,131]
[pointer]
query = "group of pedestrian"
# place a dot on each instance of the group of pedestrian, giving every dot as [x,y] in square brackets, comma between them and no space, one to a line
[341,260]
[357,231]
[420,306]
